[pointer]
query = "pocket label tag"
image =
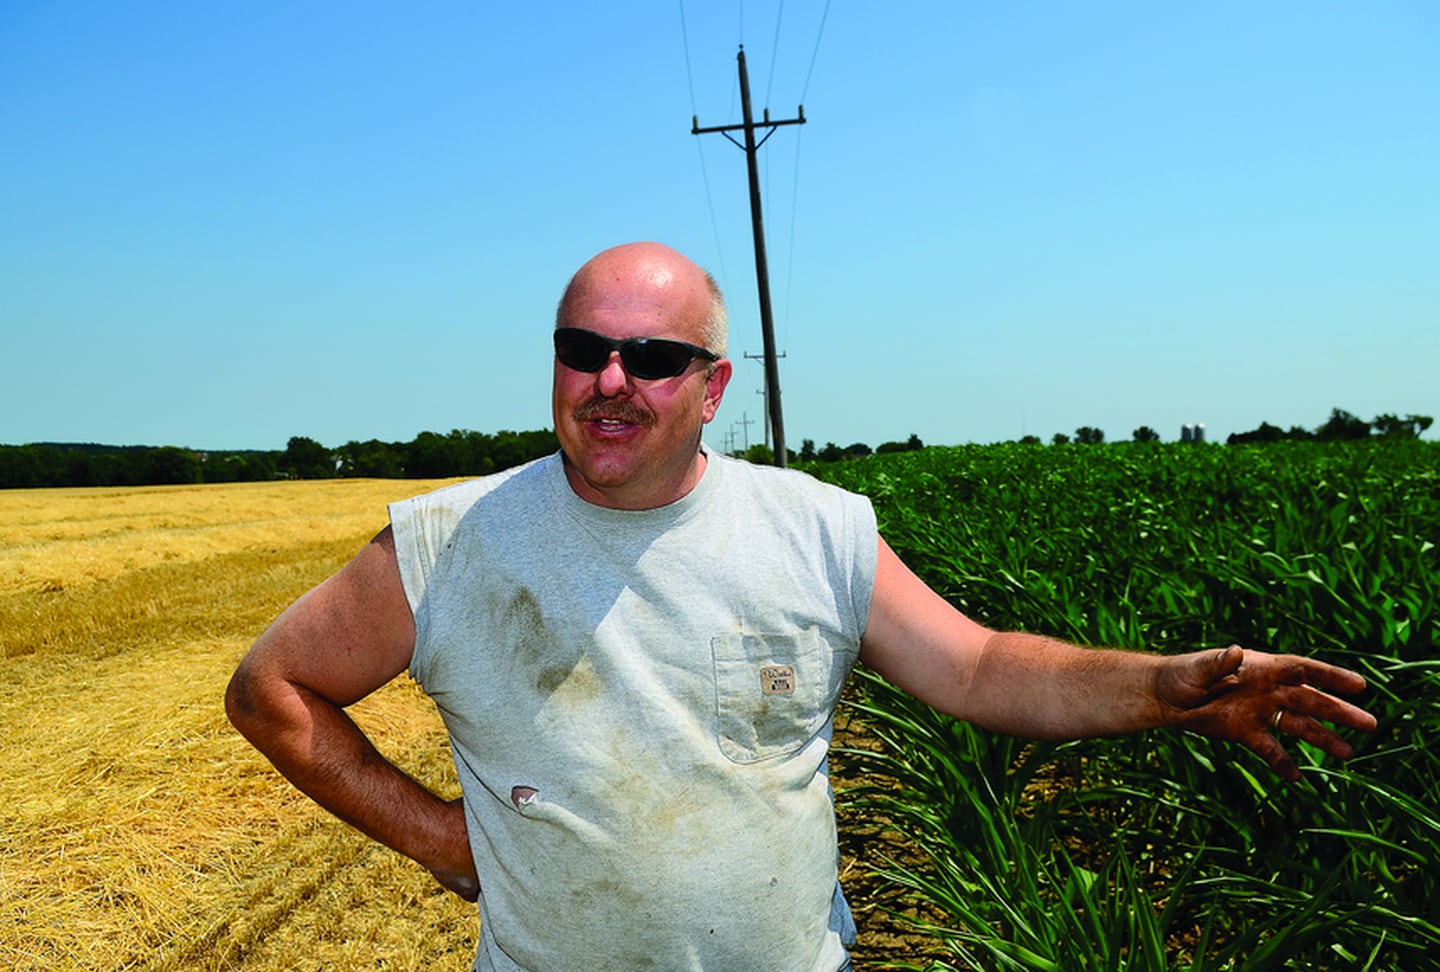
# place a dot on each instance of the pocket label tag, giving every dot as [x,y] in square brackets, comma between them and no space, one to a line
[777,679]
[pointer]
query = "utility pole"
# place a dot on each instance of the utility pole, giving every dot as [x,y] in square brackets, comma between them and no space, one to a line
[766,393]
[745,422]
[762,271]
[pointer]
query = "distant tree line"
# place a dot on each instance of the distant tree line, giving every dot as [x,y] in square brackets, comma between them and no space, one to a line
[429,456]
[88,464]
[855,450]
[463,452]
[1340,427]
[764,455]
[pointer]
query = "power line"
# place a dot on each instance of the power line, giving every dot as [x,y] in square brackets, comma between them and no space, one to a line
[700,148]
[816,53]
[774,52]
[685,44]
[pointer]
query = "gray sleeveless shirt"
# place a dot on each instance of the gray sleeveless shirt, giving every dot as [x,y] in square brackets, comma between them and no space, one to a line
[639,705]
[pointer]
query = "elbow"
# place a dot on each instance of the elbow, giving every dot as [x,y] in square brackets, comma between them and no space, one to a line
[242,701]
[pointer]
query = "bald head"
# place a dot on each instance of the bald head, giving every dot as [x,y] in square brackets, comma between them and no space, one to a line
[655,274]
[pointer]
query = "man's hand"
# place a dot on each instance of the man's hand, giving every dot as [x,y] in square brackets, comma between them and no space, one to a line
[458,874]
[1250,697]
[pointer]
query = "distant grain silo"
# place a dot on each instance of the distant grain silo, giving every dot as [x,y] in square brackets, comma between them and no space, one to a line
[1193,432]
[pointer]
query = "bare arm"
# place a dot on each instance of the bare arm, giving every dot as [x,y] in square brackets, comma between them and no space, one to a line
[1040,688]
[339,642]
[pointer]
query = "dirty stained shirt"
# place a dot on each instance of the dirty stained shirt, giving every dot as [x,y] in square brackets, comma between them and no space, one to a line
[639,706]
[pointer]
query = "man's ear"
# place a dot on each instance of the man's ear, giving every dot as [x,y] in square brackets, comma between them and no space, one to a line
[715,384]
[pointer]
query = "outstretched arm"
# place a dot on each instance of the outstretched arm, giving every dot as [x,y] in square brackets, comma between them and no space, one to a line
[1040,688]
[334,646]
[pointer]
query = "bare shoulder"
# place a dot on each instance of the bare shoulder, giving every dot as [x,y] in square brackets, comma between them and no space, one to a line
[346,637]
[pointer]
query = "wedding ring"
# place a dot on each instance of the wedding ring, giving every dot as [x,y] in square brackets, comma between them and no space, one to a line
[1275,722]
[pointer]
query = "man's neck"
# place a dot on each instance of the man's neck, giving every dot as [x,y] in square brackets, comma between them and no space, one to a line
[638,496]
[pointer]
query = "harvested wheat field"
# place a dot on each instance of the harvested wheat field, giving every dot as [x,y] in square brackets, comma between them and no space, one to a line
[138,830]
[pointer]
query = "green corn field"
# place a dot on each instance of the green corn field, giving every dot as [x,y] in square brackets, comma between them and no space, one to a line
[1165,850]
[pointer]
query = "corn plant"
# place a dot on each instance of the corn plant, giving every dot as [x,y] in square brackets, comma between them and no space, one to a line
[1164,850]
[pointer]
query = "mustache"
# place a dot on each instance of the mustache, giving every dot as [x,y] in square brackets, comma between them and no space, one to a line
[613,409]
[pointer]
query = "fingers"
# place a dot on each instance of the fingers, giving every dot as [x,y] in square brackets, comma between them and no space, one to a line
[1224,665]
[1306,701]
[1303,708]
[1282,695]
[1331,678]
[1274,754]
[1314,733]
[1303,685]
[1202,676]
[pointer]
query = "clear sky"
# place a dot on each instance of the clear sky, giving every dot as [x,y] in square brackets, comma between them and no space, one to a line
[223,224]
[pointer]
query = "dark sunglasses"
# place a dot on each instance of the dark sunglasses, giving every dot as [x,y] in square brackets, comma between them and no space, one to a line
[645,358]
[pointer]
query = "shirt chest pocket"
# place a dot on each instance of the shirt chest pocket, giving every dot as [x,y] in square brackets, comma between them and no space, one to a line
[772,692]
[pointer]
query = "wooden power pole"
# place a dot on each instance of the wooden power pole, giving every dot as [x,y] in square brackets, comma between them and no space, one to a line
[762,272]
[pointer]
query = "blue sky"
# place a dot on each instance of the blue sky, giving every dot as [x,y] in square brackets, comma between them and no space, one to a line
[223,224]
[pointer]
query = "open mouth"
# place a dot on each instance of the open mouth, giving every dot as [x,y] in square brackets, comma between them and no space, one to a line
[610,426]
[611,417]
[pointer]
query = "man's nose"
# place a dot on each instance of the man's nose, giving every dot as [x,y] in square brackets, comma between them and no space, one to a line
[613,380]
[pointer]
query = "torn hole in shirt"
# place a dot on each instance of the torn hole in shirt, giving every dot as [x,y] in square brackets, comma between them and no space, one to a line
[523,796]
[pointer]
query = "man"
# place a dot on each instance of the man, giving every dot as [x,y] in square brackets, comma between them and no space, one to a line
[637,647]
